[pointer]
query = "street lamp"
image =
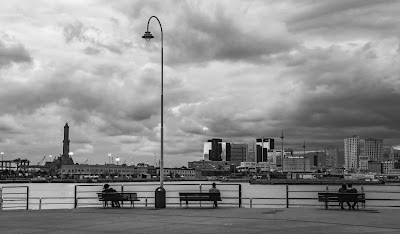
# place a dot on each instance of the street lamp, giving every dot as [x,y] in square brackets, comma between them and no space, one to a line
[2,159]
[304,157]
[50,157]
[109,158]
[117,159]
[160,203]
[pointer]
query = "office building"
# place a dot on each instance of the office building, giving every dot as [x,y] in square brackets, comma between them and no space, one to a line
[238,153]
[373,149]
[263,146]
[216,150]
[351,153]
[331,157]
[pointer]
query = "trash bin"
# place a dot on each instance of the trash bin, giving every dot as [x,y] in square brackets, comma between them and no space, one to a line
[160,198]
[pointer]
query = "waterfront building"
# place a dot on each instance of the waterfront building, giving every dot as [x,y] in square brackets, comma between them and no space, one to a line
[253,167]
[251,156]
[351,153]
[216,150]
[81,171]
[373,149]
[209,165]
[375,167]
[263,146]
[186,173]
[238,153]
[387,167]
[331,157]
[296,164]
[363,162]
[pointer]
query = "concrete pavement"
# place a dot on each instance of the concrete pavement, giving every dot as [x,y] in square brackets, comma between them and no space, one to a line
[200,220]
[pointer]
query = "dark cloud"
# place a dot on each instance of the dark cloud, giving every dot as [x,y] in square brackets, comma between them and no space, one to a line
[214,35]
[346,19]
[91,35]
[12,52]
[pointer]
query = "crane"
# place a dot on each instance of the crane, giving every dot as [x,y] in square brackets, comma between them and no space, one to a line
[41,161]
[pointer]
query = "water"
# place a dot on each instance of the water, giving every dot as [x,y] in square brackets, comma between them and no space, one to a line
[61,195]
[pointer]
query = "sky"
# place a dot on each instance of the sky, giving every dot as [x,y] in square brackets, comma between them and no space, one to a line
[319,71]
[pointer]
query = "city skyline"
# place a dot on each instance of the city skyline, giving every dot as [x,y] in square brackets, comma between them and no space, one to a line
[237,70]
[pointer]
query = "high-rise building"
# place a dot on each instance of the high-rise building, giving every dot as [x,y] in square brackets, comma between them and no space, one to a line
[238,153]
[216,150]
[373,149]
[351,152]
[331,159]
[263,146]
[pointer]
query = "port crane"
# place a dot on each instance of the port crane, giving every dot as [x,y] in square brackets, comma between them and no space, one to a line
[41,161]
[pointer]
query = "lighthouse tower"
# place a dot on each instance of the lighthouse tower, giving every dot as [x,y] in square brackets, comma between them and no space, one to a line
[66,141]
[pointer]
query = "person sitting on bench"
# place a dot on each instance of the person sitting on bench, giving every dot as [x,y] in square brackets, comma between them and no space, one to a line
[214,189]
[352,190]
[107,189]
[343,189]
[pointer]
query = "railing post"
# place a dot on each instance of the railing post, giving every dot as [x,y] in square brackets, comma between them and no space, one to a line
[27,197]
[200,191]
[287,196]
[251,202]
[40,203]
[75,198]
[240,196]
[145,200]
[327,189]
[122,191]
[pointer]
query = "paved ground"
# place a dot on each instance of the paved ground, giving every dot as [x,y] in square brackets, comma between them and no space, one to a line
[200,220]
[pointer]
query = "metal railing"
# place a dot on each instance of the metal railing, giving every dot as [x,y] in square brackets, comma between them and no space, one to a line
[17,197]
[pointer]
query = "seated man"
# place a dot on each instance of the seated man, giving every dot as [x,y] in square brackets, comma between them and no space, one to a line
[214,189]
[343,189]
[353,198]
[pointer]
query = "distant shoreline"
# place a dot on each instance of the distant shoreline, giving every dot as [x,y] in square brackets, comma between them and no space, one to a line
[251,181]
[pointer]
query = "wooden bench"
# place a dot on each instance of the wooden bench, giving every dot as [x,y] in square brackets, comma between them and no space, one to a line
[185,196]
[117,197]
[341,197]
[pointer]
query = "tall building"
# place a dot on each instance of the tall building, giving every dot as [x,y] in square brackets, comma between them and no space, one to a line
[373,149]
[351,152]
[263,146]
[216,150]
[332,154]
[238,153]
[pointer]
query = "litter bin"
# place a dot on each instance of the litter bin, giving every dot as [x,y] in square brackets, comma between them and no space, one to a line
[160,198]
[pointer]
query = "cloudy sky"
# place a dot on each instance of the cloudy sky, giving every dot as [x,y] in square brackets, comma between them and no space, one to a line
[237,70]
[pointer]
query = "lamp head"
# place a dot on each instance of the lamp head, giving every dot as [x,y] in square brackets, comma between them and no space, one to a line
[147,36]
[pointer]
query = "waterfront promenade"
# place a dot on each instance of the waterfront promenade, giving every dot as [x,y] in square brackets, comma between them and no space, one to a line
[200,220]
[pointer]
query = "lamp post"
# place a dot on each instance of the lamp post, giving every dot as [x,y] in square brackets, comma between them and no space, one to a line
[282,153]
[109,159]
[50,157]
[304,157]
[160,192]
[117,159]
[2,159]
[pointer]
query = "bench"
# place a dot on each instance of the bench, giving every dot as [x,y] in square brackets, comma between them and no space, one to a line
[117,197]
[185,196]
[341,197]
